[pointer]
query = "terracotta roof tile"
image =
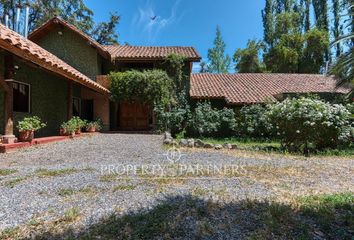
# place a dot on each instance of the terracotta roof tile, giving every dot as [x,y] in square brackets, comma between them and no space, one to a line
[26,49]
[119,52]
[251,88]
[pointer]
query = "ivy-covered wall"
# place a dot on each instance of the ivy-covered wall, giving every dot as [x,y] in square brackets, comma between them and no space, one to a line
[74,50]
[48,98]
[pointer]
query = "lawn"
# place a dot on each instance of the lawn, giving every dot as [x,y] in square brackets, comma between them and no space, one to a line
[268,145]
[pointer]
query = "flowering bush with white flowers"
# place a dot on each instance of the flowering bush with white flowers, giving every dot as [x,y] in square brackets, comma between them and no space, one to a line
[254,122]
[305,123]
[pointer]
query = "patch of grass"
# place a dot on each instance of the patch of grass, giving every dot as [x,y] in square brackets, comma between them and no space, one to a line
[273,145]
[42,172]
[244,142]
[123,187]
[108,177]
[71,215]
[6,172]
[13,182]
[10,233]
[71,191]
[330,211]
[197,191]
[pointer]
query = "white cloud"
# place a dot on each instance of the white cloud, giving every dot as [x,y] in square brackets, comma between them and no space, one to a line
[142,20]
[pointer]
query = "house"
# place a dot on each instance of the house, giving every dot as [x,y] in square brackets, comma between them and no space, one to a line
[60,72]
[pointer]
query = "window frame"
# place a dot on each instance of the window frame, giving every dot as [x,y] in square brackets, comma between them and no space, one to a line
[79,102]
[29,95]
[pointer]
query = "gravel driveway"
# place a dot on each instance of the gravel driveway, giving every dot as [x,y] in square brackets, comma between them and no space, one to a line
[49,181]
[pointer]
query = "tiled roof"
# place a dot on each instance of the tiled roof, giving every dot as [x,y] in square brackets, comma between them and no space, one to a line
[119,52]
[43,29]
[26,49]
[251,88]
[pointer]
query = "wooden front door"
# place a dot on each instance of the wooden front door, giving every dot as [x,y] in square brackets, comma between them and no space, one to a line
[134,116]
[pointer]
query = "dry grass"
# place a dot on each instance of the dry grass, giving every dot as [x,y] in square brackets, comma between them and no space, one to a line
[42,172]
[6,172]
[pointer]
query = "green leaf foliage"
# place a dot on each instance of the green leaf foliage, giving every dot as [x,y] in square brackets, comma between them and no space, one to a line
[219,62]
[247,60]
[152,86]
[306,123]
[30,124]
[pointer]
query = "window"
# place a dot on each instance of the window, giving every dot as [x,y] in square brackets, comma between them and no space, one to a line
[21,97]
[76,107]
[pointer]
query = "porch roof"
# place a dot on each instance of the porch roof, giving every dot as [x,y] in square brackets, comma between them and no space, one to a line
[28,50]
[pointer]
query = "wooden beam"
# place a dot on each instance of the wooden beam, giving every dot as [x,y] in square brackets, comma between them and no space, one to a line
[8,104]
[70,100]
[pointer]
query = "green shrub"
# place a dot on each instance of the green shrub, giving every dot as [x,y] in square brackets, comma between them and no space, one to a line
[174,119]
[305,123]
[95,124]
[254,122]
[207,121]
[74,124]
[152,86]
[30,124]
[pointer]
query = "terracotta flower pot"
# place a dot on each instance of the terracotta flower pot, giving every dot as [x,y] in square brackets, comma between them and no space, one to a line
[63,132]
[26,136]
[91,129]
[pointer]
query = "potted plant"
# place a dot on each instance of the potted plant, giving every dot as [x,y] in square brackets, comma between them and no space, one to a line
[28,126]
[94,126]
[76,123]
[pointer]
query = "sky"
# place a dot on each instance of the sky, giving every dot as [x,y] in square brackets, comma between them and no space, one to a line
[184,22]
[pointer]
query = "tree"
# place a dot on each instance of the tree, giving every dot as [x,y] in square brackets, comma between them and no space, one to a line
[344,66]
[247,60]
[284,56]
[316,44]
[218,61]
[306,17]
[203,67]
[73,11]
[105,32]
[336,29]
[294,51]
[321,14]
[268,21]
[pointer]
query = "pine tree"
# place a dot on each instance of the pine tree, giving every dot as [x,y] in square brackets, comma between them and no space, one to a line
[218,61]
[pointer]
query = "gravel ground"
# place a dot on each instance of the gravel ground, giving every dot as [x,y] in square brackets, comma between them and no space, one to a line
[96,193]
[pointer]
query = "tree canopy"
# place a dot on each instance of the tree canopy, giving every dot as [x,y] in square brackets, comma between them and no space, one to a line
[219,62]
[247,60]
[73,11]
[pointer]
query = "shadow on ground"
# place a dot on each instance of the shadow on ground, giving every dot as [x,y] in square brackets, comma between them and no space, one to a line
[188,217]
